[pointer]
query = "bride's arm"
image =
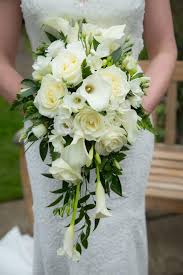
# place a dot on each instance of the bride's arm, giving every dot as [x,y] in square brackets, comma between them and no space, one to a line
[161,46]
[10,26]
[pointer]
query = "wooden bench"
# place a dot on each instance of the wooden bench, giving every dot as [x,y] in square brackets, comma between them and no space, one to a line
[165,189]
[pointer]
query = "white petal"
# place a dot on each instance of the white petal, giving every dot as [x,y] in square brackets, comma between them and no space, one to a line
[129,122]
[101,209]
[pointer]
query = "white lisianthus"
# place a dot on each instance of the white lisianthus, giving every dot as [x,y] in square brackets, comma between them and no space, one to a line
[68,167]
[62,25]
[135,87]
[49,96]
[57,141]
[106,48]
[101,209]
[42,67]
[39,130]
[63,112]
[74,102]
[130,123]
[54,48]
[95,62]
[68,245]
[119,104]
[89,124]
[113,33]
[135,101]
[113,118]
[63,126]
[118,79]
[130,64]
[113,141]
[96,91]
[67,65]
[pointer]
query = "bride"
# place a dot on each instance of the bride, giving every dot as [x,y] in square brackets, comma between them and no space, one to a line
[119,246]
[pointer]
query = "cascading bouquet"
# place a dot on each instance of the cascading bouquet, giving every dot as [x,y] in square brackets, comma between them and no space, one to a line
[85,106]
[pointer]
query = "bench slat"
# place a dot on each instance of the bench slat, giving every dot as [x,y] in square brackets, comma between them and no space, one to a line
[167,164]
[167,172]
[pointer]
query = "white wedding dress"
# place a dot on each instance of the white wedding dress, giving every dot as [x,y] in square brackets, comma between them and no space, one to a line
[119,245]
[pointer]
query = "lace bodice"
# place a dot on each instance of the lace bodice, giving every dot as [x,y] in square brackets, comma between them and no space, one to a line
[101,12]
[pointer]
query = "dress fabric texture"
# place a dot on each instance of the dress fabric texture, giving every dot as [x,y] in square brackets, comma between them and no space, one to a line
[119,245]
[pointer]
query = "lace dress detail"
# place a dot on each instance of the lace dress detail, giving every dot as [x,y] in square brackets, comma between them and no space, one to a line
[119,246]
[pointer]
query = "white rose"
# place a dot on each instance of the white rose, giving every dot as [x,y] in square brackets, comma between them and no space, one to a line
[57,141]
[96,91]
[62,126]
[49,96]
[74,102]
[42,67]
[89,123]
[118,79]
[54,48]
[113,141]
[39,130]
[67,65]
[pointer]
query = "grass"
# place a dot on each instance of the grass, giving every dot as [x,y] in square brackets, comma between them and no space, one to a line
[10,184]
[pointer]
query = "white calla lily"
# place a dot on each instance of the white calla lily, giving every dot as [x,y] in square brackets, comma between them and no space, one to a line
[101,209]
[68,245]
[96,91]
[130,123]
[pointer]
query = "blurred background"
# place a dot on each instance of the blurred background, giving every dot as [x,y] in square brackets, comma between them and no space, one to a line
[165,192]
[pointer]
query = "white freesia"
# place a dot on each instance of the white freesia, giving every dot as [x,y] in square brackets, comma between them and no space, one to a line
[42,67]
[67,65]
[63,126]
[74,102]
[95,62]
[54,48]
[89,124]
[101,209]
[68,245]
[62,25]
[130,64]
[57,141]
[96,91]
[49,96]
[113,141]
[91,30]
[118,79]
[39,130]
[73,158]
[130,123]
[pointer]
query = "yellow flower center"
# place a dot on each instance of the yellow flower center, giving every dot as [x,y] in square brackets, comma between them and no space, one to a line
[89,88]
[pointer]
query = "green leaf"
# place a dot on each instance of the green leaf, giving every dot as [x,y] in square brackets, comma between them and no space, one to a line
[28,83]
[66,199]
[78,248]
[86,71]
[96,224]
[138,75]
[59,191]
[50,176]
[116,186]
[56,201]
[95,44]
[43,149]
[81,215]
[51,37]
[84,199]
[116,55]
[89,207]
[84,240]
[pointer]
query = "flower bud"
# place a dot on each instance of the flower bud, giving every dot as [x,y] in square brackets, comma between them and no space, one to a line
[39,130]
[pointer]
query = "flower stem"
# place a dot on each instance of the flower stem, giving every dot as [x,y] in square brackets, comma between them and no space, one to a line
[75,204]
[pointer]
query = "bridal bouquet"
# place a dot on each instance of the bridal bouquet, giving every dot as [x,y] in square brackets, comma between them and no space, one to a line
[84,102]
